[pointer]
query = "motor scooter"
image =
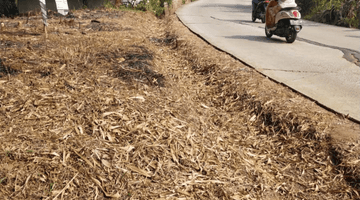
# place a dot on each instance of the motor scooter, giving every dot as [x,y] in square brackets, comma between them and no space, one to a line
[259,11]
[288,24]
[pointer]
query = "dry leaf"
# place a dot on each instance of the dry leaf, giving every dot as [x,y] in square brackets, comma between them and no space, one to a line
[137,170]
[106,163]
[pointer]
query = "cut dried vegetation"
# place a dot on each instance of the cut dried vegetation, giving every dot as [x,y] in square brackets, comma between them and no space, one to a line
[143,109]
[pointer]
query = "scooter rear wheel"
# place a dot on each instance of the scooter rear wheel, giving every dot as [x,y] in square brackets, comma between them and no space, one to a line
[268,33]
[291,37]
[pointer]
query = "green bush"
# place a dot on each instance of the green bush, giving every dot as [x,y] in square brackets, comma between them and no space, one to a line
[346,10]
[305,6]
[157,6]
[311,7]
[353,22]
[141,6]
[108,4]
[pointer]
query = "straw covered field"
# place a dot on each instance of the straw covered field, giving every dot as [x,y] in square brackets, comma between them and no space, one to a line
[120,104]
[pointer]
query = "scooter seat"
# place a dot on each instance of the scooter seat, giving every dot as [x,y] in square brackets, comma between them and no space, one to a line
[290,8]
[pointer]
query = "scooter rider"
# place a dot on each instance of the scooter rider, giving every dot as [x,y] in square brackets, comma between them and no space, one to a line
[271,11]
[254,4]
[274,7]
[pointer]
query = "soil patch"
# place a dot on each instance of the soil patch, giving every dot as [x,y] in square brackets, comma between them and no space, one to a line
[98,26]
[5,70]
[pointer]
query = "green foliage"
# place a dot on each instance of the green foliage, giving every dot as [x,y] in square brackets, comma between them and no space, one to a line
[157,6]
[141,6]
[311,7]
[51,187]
[353,22]
[108,4]
[326,5]
[1,180]
[314,7]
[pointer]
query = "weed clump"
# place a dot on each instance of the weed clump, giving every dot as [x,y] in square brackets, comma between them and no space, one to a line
[6,70]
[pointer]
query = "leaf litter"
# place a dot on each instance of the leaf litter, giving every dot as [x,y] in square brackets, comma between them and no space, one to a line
[143,109]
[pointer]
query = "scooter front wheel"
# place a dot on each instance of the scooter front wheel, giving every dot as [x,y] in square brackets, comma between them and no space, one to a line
[253,18]
[291,37]
[268,33]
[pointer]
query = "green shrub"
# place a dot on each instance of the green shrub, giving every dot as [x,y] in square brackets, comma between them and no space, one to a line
[311,7]
[353,22]
[141,6]
[305,6]
[157,6]
[108,4]
[345,8]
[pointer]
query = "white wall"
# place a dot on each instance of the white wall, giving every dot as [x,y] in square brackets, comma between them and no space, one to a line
[126,1]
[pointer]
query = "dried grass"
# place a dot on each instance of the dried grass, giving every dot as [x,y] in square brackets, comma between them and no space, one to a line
[142,109]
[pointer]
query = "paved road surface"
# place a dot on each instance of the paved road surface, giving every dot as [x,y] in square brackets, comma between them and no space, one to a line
[321,63]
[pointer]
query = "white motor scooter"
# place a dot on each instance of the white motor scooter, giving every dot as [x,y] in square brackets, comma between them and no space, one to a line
[288,24]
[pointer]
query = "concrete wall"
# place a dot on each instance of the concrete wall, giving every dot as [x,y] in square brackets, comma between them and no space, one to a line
[127,1]
[95,3]
[28,5]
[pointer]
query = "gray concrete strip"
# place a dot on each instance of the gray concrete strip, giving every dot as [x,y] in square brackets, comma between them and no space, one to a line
[321,64]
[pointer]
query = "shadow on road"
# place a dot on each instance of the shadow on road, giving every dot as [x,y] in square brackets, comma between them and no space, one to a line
[353,36]
[231,7]
[245,22]
[238,21]
[256,38]
[351,30]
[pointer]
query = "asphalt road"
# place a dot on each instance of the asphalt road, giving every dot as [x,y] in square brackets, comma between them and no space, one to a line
[322,63]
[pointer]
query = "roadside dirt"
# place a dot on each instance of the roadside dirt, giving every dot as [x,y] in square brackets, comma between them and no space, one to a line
[123,105]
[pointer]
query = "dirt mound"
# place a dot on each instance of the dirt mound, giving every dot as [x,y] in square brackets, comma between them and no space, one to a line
[153,112]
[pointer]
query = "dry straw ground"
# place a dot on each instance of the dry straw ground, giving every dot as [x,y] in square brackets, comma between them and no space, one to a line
[129,106]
